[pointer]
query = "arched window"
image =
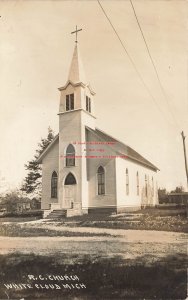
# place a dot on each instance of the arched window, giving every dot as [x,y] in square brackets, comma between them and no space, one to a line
[70,179]
[152,187]
[101,180]
[127,182]
[54,185]
[70,156]
[146,186]
[137,184]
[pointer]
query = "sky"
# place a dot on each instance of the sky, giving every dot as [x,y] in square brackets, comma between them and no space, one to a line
[36,48]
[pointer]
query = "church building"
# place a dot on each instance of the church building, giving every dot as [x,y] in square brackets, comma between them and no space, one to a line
[85,169]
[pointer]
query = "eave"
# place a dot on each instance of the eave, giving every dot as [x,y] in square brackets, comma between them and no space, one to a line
[43,154]
[75,85]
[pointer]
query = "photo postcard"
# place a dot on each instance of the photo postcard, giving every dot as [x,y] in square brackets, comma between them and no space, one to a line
[93,156]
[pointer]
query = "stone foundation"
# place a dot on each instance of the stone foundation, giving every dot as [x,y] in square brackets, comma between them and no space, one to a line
[128,209]
[101,210]
[46,212]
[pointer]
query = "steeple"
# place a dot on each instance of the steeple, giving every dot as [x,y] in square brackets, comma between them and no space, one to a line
[76,71]
[76,94]
[76,75]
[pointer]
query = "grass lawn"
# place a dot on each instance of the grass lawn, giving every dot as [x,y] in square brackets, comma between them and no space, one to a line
[109,259]
[145,219]
[148,219]
[14,230]
[103,278]
[18,219]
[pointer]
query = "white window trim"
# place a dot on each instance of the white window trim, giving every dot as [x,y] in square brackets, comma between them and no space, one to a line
[65,154]
[96,181]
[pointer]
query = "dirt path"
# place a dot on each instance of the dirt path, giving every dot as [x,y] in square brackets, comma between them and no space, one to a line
[133,236]
[127,244]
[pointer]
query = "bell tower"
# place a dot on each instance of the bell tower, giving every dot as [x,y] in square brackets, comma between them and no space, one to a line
[76,111]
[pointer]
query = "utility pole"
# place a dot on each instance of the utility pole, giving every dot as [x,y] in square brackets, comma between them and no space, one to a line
[185,157]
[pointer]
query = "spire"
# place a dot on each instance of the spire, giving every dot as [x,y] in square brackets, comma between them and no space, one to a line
[76,71]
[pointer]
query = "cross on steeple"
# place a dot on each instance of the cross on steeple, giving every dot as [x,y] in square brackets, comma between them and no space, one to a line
[76,31]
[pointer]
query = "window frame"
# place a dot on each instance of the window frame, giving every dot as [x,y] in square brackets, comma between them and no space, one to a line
[73,177]
[152,186]
[70,157]
[88,104]
[69,102]
[127,182]
[54,185]
[146,186]
[137,184]
[101,188]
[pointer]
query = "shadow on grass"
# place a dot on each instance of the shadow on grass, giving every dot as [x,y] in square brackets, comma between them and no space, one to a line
[13,230]
[104,278]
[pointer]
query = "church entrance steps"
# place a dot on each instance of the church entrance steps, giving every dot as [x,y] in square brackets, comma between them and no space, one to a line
[56,214]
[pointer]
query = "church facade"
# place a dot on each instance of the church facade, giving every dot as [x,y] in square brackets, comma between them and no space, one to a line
[84,169]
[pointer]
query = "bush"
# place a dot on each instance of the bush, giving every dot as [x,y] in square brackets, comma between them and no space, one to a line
[30,213]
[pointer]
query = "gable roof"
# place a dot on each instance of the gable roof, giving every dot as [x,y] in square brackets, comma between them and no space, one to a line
[122,149]
[43,154]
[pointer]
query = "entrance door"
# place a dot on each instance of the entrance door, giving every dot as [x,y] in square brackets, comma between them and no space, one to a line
[69,191]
